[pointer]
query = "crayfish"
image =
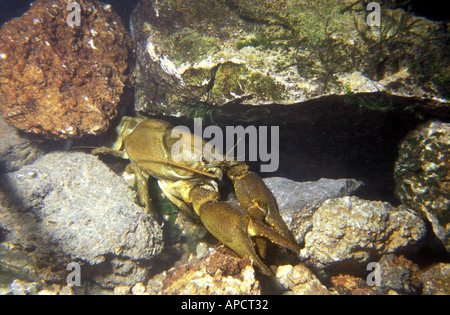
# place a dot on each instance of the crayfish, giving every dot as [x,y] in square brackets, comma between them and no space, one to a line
[189,178]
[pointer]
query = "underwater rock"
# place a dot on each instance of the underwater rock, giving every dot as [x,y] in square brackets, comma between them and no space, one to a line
[16,264]
[58,80]
[422,174]
[299,280]
[399,274]
[71,207]
[350,231]
[297,201]
[351,285]
[195,54]
[138,289]
[15,150]
[216,274]
[436,280]
[18,288]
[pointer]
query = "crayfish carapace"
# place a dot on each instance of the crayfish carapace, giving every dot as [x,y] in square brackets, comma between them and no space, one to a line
[190,181]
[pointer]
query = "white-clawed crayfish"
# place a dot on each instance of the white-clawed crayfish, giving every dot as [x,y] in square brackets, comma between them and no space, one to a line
[191,184]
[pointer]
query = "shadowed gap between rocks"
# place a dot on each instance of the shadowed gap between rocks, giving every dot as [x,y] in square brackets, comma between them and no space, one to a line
[335,136]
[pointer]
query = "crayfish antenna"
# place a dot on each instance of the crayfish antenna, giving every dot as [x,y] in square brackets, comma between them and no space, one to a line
[179,165]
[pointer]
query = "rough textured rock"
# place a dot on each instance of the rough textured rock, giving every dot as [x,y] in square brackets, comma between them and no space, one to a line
[328,138]
[399,274]
[216,273]
[436,280]
[422,173]
[211,52]
[71,207]
[20,287]
[349,230]
[297,201]
[351,285]
[15,264]
[299,280]
[366,118]
[58,80]
[15,150]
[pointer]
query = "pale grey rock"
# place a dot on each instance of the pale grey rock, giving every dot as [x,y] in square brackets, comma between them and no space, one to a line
[297,201]
[349,231]
[72,207]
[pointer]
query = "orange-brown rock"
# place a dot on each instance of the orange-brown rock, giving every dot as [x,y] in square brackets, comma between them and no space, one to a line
[58,80]
[217,273]
[351,285]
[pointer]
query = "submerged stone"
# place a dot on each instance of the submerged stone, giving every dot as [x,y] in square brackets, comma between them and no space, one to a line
[436,280]
[422,174]
[70,207]
[63,81]
[220,52]
[298,201]
[349,231]
[217,273]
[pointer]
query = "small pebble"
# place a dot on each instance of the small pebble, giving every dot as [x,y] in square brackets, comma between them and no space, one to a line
[122,290]
[18,288]
[138,289]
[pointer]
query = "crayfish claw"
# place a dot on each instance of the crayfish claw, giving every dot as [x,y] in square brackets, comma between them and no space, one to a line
[229,224]
[257,199]
[235,228]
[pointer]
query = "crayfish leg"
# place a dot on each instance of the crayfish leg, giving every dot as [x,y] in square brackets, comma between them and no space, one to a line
[142,186]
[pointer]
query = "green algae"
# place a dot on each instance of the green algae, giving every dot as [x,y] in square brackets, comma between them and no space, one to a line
[422,173]
[188,45]
[238,79]
[283,51]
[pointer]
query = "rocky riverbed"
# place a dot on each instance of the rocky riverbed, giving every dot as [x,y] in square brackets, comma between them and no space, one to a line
[70,206]
[364,146]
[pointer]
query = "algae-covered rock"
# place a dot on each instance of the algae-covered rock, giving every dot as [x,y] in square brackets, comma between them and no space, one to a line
[422,173]
[216,52]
